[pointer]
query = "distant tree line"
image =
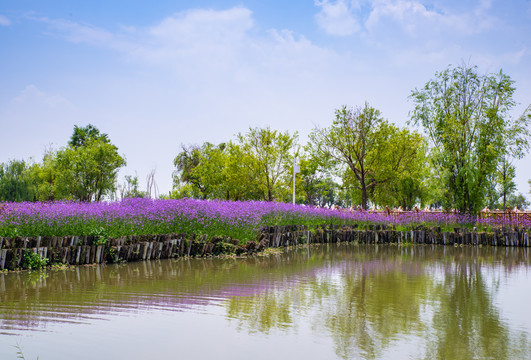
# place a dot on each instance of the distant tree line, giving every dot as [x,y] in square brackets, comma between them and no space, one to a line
[465,160]
[85,170]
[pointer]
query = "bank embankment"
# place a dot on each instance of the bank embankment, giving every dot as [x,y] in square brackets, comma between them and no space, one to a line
[81,250]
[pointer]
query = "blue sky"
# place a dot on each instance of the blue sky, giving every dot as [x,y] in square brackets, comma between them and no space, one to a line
[156,75]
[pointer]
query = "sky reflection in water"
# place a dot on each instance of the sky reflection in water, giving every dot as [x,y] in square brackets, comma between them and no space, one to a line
[342,301]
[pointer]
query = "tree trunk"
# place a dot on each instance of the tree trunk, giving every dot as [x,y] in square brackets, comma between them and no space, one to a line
[363,192]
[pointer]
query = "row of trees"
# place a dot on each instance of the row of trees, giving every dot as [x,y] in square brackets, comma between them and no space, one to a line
[464,162]
[86,170]
[360,158]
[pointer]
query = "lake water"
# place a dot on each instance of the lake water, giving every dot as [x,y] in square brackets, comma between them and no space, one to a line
[318,302]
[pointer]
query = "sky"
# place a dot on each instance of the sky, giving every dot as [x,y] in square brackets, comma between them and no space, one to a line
[156,75]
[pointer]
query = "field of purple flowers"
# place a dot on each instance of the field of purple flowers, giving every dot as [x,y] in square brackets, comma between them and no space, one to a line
[239,220]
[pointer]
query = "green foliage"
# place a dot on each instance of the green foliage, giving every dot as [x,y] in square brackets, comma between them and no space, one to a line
[255,168]
[315,182]
[101,236]
[130,189]
[15,182]
[371,154]
[519,201]
[202,172]
[506,173]
[82,135]
[84,170]
[466,118]
[270,158]
[45,177]
[9,232]
[33,261]
[88,172]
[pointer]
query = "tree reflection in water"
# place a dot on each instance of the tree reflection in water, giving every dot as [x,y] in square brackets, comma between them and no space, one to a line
[369,299]
[423,301]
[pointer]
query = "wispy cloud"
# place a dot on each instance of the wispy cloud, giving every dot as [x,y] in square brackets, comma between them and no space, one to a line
[203,74]
[4,21]
[207,42]
[412,17]
[32,95]
[85,33]
[337,18]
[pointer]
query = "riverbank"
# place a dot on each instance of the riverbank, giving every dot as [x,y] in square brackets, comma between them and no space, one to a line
[82,250]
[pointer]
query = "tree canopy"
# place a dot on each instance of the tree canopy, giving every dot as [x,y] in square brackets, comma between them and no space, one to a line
[255,167]
[367,151]
[465,159]
[466,117]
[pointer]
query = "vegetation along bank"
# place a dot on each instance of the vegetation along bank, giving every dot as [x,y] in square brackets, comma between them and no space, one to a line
[36,234]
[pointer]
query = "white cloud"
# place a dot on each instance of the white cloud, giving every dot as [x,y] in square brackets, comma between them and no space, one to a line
[205,38]
[412,17]
[205,75]
[416,19]
[336,18]
[31,94]
[4,21]
[86,33]
[205,44]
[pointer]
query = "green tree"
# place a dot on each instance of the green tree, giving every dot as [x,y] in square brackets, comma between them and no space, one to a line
[186,162]
[241,174]
[44,175]
[505,178]
[465,116]
[82,135]
[88,172]
[367,150]
[271,159]
[492,195]
[15,182]
[130,188]
[210,171]
[317,186]
[414,183]
[519,201]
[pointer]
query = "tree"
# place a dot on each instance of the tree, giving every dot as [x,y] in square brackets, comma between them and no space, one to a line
[152,189]
[415,184]
[130,189]
[315,183]
[367,150]
[186,162]
[82,135]
[203,169]
[44,175]
[465,116]
[88,172]
[492,195]
[271,159]
[241,174]
[519,201]
[505,178]
[15,182]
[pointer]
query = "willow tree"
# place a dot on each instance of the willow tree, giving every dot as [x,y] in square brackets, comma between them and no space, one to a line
[466,117]
[365,149]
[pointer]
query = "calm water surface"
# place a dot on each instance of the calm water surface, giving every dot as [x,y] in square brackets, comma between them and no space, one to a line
[321,302]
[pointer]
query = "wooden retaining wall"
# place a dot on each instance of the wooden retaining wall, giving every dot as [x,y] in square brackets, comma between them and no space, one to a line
[293,235]
[80,250]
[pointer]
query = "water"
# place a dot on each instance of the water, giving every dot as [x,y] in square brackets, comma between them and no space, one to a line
[319,302]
